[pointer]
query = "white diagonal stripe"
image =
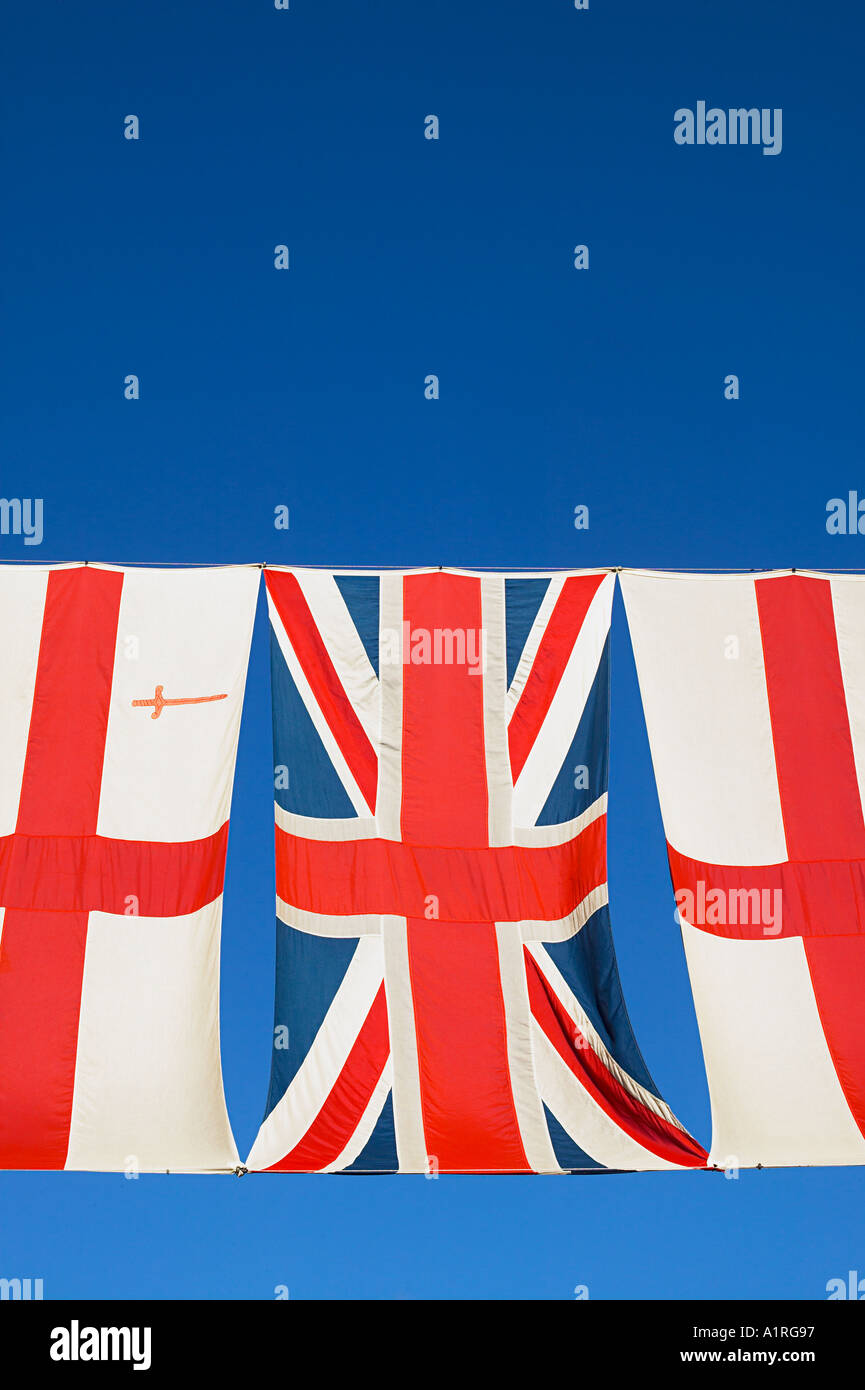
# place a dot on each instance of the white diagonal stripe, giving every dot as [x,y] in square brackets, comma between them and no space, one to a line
[323,729]
[533,642]
[574,1009]
[556,734]
[296,1111]
[590,1127]
[547,836]
[344,647]
[367,1123]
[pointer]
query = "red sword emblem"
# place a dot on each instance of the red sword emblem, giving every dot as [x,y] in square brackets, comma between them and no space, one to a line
[159,701]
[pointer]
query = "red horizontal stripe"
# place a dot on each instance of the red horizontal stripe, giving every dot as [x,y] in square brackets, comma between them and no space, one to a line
[824,904]
[344,1107]
[509,884]
[325,684]
[822,899]
[636,1119]
[89,873]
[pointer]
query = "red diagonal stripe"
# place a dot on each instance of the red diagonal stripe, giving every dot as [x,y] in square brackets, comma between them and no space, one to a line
[548,667]
[324,682]
[636,1119]
[344,1108]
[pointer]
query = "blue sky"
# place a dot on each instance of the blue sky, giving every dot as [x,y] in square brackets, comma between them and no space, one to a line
[306,388]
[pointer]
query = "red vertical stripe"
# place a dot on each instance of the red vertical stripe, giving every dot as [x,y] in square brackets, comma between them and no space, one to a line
[41,965]
[66,746]
[837,966]
[820,799]
[42,952]
[470,1123]
[444,790]
[469,1118]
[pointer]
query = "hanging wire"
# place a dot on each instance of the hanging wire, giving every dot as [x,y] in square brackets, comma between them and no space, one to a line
[479,569]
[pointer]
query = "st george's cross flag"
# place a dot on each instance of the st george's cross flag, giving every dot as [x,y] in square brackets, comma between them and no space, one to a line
[754,693]
[119,713]
[447,998]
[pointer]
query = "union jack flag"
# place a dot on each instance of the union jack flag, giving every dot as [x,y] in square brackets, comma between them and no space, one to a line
[447,998]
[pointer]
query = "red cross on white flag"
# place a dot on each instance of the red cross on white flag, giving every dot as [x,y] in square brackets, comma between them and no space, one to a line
[754,692]
[113,832]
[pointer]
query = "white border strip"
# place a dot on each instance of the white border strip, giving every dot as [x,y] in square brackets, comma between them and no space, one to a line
[518,1031]
[389,801]
[548,836]
[498,764]
[318,828]
[320,924]
[407,1109]
[565,927]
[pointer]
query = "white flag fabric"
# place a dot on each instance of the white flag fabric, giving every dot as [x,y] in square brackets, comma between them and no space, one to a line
[119,717]
[753,687]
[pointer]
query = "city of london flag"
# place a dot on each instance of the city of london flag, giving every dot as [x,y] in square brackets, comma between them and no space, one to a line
[119,712]
[754,692]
